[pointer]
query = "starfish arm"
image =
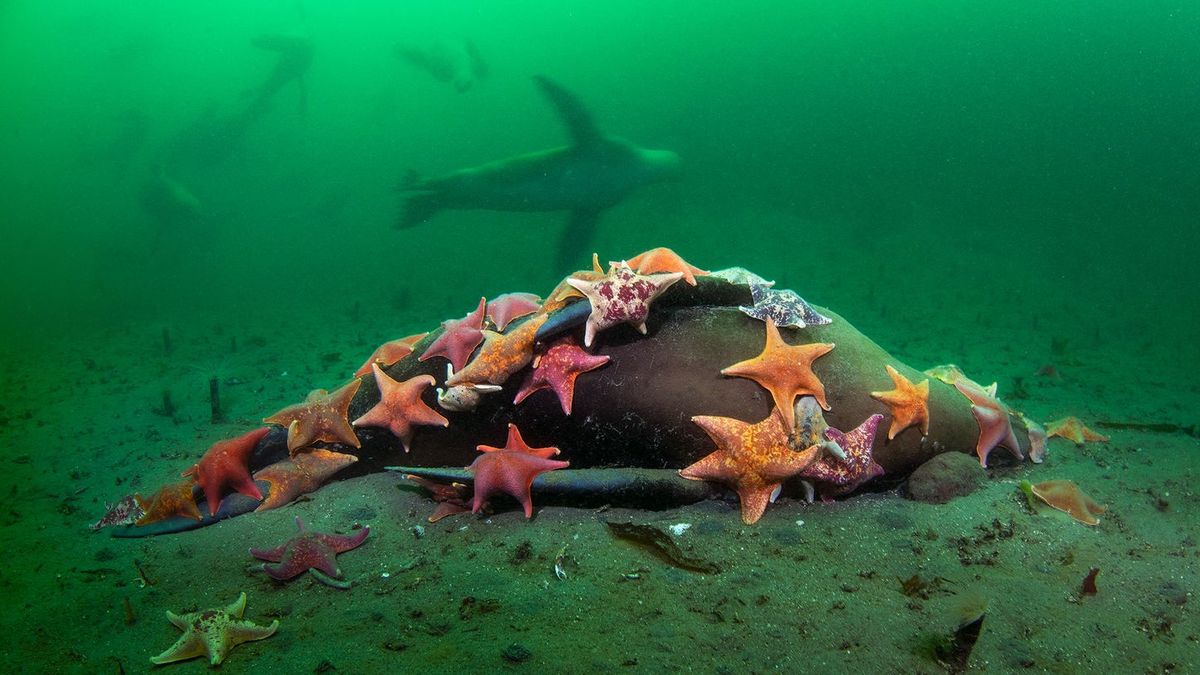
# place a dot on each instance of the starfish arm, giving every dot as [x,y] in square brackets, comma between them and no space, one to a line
[341,543]
[188,646]
[269,554]
[328,580]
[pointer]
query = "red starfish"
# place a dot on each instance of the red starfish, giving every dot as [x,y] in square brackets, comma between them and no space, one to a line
[451,499]
[459,338]
[314,552]
[557,369]
[511,470]
[226,464]
[518,444]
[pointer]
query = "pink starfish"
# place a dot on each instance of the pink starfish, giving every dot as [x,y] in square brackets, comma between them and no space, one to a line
[621,296]
[314,552]
[511,306]
[557,369]
[995,427]
[459,338]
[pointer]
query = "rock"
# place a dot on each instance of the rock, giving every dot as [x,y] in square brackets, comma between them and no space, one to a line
[944,477]
[516,653]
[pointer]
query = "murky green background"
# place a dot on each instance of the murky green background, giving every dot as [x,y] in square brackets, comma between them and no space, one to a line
[1037,157]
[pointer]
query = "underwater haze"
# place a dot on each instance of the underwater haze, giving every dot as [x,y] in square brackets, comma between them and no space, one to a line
[250,194]
[1047,150]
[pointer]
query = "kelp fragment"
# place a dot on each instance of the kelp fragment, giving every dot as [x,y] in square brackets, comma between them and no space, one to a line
[662,545]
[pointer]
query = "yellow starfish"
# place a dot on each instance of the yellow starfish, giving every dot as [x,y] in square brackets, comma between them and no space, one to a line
[213,633]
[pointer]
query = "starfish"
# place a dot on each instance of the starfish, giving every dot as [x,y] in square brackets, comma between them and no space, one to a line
[321,417]
[169,502]
[753,459]
[852,469]
[557,369]
[300,475]
[126,511]
[390,352]
[909,403]
[1072,429]
[517,444]
[952,375]
[400,406]
[459,338]
[510,470]
[502,310]
[663,259]
[1066,496]
[226,464]
[621,296]
[785,371]
[564,291]
[313,552]
[995,427]
[502,355]
[785,307]
[1037,439]
[741,276]
[451,499]
[213,633]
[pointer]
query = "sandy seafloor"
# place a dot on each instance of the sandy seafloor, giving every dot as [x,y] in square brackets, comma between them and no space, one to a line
[810,587]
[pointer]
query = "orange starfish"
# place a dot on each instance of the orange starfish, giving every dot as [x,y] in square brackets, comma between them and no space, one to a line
[565,291]
[663,259]
[300,475]
[390,352]
[1072,429]
[785,371]
[501,355]
[400,407]
[1066,496]
[170,501]
[909,403]
[322,417]
[753,459]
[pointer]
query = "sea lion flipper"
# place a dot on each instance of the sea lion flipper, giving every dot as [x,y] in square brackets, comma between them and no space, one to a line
[577,119]
[576,237]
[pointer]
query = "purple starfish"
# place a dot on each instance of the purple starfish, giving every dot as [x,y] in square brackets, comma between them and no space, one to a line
[557,369]
[836,476]
[314,552]
[785,307]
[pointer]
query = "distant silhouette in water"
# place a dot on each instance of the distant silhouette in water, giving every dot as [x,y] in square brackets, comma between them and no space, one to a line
[168,202]
[295,56]
[455,62]
[595,172]
[215,135]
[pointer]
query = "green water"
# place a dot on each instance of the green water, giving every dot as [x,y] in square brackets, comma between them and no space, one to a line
[1004,185]
[1051,145]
